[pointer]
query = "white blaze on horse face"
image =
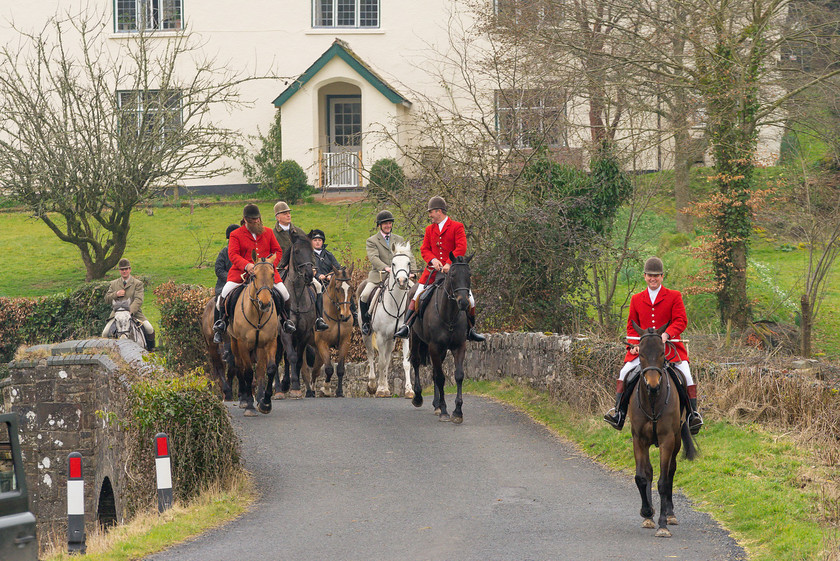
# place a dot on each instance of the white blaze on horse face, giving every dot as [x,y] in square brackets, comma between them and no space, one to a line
[346,288]
[401,268]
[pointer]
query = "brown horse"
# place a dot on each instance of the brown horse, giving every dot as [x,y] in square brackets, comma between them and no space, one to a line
[656,418]
[253,335]
[339,318]
[214,353]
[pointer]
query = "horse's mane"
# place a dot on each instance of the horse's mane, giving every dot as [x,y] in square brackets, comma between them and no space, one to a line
[402,248]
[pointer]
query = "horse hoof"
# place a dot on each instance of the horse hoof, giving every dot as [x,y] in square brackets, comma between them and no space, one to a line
[409,394]
[371,390]
[243,404]
[436,411]
[339,394]
[672,521]
[228,396]
[383,393]
[310,393]
[264,408]
[296,394]
[250,412]
[444,418]
[417,401]
[279,395]
[648,523]
[663,533]
[457,419]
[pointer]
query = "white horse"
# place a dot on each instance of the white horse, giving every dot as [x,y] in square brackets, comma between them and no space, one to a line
[388,315]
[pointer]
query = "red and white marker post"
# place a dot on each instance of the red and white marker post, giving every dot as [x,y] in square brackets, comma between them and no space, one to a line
[163,467]
[75,505]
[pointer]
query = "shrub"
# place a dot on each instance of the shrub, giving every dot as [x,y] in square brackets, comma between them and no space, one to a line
[386,178]
[181,306]
[261,167]
[13,314]
[291,182]
[187,409]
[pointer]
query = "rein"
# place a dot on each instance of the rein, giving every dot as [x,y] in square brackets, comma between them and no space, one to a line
[255,303]
[452,296]
[338,305]
[389,287]
[653,416]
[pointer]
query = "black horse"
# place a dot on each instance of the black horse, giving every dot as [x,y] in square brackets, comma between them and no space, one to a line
[301,312]
[443,328]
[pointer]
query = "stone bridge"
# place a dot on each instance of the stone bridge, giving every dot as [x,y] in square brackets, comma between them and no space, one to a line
[65,395]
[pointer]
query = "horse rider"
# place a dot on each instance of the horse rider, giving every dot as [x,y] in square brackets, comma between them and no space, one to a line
[380,252]
[223,263]
[250,235]
[282,229]
[130,288]
[325,261]
[653,308]
[442,236]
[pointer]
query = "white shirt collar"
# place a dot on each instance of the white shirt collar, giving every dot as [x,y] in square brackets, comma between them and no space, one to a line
[284,228]
[318,251]
[441,223]
[654,293]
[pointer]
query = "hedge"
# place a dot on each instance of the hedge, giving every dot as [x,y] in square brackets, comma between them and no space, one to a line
[181,306]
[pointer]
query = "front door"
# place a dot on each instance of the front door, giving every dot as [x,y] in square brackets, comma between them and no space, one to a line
[345,142]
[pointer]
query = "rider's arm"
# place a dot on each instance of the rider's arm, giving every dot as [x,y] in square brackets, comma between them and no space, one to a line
[233,252]
[111,294]
[137,299]
[679,318]
[373,255]
[222,265]
[460,240]
[633,315]
[275,248]
[426,251]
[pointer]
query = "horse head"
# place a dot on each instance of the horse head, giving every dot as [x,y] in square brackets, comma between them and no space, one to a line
[262,281]
[340,290]
[458,280]
[651,355]
[302,258]
[401,264]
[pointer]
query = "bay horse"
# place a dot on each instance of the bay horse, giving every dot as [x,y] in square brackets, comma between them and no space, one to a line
[443,328]
[214,354]
[339,318]
[302,313]
[388,315]
[656,418]
[253,335]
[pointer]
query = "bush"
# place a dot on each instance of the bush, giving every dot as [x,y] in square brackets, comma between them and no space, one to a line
[386,178]
[76,314]
[181,306]
[291,182]
[187,409]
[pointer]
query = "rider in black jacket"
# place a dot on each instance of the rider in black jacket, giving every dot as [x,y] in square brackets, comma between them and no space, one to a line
[223,263]
[325,261]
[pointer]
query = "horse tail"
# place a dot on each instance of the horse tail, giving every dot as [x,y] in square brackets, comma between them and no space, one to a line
[310,356]
[689,447]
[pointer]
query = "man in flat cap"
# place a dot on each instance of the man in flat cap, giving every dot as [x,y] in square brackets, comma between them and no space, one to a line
[129,288]
[442,236]
[655,307]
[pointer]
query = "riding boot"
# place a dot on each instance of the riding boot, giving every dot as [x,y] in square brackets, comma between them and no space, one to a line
[410,314]
[150,342]
[286,323]
[220,326]
[615,416]
[363,306]
[320,324]
[472,335]
[353,310]
[695,421]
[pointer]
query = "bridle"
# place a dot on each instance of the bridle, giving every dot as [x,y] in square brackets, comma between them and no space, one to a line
[338,304]
[254,298]
[653,416]
[452,295]
[390,286]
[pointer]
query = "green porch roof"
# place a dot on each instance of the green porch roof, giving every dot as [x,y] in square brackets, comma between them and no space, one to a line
[342,50]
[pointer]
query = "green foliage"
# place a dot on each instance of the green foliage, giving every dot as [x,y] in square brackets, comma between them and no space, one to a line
[386,178]
[181,307]
[291,182]
[203,445]
[75,314]
[262,167]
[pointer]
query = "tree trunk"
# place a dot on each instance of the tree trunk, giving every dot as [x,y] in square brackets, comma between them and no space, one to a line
[805,308]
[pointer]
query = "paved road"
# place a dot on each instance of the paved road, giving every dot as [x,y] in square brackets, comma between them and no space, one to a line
[377,479]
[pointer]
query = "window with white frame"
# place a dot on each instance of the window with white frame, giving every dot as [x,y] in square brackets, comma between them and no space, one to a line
[526,118]
[345,13]
[152,112]
[131,16]
[528,12]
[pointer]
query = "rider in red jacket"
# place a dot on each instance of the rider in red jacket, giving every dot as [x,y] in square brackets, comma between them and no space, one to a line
[442,236]
[654,307]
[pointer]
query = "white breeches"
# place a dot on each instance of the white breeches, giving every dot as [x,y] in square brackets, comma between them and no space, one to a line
[230,285]
[682,366]
[147,328]
[421,287]
[367,291]
[319,288]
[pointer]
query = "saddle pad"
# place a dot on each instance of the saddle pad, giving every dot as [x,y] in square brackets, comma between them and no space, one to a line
[230,302]
[426,297]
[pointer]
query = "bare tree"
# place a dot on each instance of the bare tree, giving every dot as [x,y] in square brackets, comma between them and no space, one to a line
[90,128]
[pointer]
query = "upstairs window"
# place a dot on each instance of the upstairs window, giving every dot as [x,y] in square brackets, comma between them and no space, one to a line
[131,16]
[150,112]
[345,13]
[529,12]
[527,118]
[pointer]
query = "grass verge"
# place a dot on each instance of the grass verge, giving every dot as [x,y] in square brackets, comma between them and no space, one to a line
[751,481]
[151,532]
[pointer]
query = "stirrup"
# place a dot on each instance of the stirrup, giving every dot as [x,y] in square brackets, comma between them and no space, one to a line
[616,420]
[477,337]
[321,325]
[402,332]
[695,422]
[218,330]
[289,327]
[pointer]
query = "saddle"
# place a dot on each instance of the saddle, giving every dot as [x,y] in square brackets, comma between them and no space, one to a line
[676,376]
[233,298]
[426,296]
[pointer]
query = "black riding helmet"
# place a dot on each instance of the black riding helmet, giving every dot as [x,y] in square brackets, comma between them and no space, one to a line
[316,234]
[384,216]
[230,230]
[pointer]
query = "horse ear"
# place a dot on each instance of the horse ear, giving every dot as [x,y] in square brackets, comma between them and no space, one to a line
[254,255]
[270,258]
[468,259]
[638,329]
[662,329]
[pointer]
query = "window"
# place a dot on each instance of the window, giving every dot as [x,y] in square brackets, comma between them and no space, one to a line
[529,118]
[528,12]
[345,13]
[149,15]
[153,111]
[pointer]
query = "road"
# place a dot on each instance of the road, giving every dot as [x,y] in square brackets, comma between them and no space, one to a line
[377,479]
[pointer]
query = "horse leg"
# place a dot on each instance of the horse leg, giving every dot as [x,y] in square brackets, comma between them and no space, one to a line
[644,475]
[416,360]
[316,368]
[440,380]
[458,355]
[665,484]
[370,348]
[294,357]
[233,364]
[344,347]
[283,387]
[384,367]
[249,388]
[409,391]
[267,380]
